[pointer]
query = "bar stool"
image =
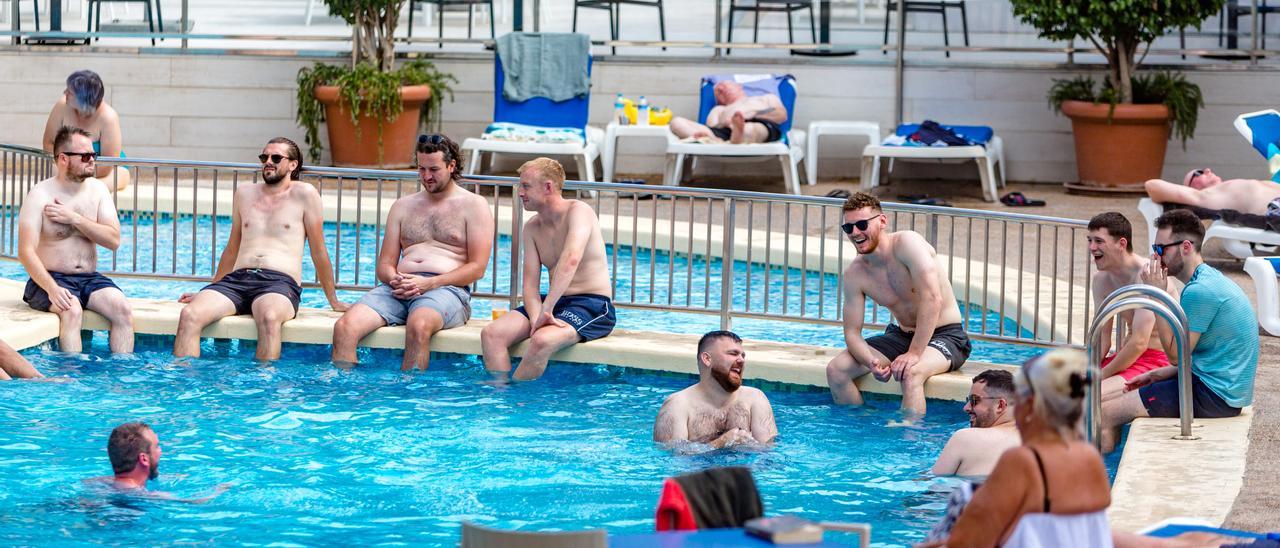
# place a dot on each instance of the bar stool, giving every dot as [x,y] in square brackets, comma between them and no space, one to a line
[782,6]
[95,20]
[440,4]
[615,15]
[929,6]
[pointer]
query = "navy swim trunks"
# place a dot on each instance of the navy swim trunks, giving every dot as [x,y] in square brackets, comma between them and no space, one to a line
[80,285]
[1161,400]
[950,340]
[247,284]
[775,131]
[590,315]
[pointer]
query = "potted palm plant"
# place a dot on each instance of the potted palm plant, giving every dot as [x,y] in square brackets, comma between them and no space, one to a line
[1122,126]
[372,108]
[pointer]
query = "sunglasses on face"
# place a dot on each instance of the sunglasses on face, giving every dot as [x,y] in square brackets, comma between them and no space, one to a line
[85,157]
[975,399]
[860,225]
[275,158]
[1159,248]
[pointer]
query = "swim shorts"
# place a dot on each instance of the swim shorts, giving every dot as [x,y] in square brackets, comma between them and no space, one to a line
[590,315]
[80,285]
[247,284]
[1149,360]
[775,131]
[453,303]
[1161,400]
[950,340]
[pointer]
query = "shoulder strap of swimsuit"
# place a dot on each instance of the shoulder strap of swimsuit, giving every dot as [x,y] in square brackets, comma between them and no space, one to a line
[1044,479]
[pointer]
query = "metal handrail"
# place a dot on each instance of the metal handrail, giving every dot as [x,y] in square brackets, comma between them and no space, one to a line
[1135,297]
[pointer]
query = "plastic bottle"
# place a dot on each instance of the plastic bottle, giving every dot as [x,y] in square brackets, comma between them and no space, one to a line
[620,111]
[642,112]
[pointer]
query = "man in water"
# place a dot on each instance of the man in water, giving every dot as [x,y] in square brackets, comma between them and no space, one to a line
[974,451]
[737,118]
[1205,189]
[13,365]
[564,236]
[1110,243]
[62,221]
[718,410]
[436,245]
[134,451]
[900,271]
[261,267]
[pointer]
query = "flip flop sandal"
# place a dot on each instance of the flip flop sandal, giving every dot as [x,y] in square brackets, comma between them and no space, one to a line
[839,193]
[1016,199]
[912,198]
[932,202]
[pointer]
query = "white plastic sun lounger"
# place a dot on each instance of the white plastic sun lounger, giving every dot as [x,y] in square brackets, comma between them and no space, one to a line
[1237,240]
[1265,283]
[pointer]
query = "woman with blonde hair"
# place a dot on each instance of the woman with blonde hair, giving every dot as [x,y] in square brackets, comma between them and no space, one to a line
[1053,489]
[82,106]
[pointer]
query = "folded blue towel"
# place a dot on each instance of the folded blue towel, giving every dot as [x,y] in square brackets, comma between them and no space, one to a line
[544,64]
[976,135]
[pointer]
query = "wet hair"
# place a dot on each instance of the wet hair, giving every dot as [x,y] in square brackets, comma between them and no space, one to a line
[545,168]
[999,382]
[704,344]
[1116,225]
[1184,225]
[63,137]
[127,442]
[860,200]
[86,87]
[428,144]
[1058,379]
[295,154]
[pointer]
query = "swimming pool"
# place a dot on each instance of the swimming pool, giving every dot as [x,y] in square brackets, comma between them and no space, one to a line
[318,455]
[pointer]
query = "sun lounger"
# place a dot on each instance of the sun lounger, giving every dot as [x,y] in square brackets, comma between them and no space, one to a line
[1237,240]
[1262,130]
[1173,527]
[1263,271]
[990,160]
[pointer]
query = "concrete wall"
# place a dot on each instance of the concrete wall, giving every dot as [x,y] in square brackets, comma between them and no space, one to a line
[222,108]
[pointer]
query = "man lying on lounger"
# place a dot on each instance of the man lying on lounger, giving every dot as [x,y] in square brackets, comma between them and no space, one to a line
[718,410]
[737,118]
[436,245]
[261,268]
[1204,189]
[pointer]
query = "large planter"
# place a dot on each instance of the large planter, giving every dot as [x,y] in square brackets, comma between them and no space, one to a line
[1117,151]
[352,148]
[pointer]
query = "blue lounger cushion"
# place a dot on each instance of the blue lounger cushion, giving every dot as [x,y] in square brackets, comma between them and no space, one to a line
[522,133]
[1174,529]
[1262,129]
[979,135]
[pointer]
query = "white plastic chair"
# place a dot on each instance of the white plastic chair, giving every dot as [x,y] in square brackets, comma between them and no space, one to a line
[1237,240]
[1268,288]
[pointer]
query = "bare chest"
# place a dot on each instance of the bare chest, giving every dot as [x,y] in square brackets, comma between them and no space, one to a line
[889,285]
[271,216]
[439,224]
[707,423]
[51,230]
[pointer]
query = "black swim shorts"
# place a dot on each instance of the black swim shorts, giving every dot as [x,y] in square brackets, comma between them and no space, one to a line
[591,316]
[80,285]
[247,284]
[775,131]
[950,340]
[1161,400]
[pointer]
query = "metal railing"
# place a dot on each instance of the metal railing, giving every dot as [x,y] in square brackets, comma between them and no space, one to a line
[1018,278]
[1135,297]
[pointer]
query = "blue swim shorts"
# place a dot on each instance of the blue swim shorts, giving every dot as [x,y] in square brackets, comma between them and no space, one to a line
[452,303]
[1161,400]
[81,286]
[592,316]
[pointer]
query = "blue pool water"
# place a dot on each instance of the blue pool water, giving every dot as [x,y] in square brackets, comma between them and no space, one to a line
[317,455]
[191,246]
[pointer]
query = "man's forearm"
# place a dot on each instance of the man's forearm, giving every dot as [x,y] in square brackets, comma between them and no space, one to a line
[463,276]
[926,323]
[99,233]
[324,274]
[560,281]
[1124,358]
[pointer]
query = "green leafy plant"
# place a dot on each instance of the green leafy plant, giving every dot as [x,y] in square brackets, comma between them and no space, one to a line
[370,85]
[1171,89]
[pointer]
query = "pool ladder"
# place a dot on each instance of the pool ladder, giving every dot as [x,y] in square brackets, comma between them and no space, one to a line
[1134,297]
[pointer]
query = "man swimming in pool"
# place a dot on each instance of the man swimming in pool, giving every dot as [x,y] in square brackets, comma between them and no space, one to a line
[261,268]
[134,452]
[563,235]
[436,245]
[718,410]
[900,271]
[737,118]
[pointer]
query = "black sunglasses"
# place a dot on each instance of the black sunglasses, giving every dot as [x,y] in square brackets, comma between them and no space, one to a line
[975,399]
[434,138]
[1159,248]
[275,158]
[85,157]
[861,225]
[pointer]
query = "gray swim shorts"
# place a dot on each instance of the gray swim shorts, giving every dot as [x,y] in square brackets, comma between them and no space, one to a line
[451,302]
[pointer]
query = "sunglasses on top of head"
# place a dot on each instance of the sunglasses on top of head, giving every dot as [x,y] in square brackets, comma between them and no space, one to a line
[434,138]
[860,225]
[275,158]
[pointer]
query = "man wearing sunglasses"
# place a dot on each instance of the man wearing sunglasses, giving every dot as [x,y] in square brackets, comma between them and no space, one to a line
[261,268]
[900,271]
[1223,336]
[974,451]
[1204,189]
[63,220]
[436,245]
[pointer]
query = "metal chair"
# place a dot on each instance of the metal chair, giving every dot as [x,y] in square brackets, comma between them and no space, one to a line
[614,7]
[1238,10]
[95,19]
[440,5]
[929,6]
[781,6]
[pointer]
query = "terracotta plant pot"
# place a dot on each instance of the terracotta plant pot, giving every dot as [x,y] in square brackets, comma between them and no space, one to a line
[1117,152]
[361,149]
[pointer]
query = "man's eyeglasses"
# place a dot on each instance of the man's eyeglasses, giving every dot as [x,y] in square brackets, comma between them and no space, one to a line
[85,157]
[433,139]
[275,158]
[975,399]
[860,225]
[1159,248]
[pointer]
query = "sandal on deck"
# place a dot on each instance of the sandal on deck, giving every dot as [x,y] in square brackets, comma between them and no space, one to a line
[1016,199]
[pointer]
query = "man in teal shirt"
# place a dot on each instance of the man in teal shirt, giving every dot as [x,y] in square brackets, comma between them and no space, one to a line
[1222,331]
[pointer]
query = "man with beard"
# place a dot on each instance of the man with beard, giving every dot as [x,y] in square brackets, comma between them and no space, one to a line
[1110,243]
[134,451]
[1222,333]
[900,271]
[564,236]
[718,410]
[261,267]
[436,245]
[974,451]
[60,224]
